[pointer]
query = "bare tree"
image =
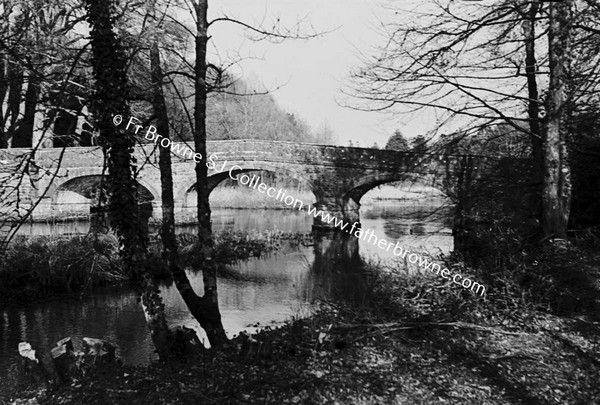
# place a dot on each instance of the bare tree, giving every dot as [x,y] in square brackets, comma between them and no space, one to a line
[205,309]
[206,78]
[480,64]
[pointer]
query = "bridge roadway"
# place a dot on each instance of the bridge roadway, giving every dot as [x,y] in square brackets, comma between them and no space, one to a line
[338,176]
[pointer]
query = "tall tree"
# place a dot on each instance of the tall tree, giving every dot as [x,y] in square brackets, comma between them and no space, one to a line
[212,322]
[536,136]
[201,42]
[556,195]
[109,66]
[211,318]
[205,309]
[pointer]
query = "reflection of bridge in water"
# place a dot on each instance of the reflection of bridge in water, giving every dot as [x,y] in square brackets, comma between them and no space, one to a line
[66,181]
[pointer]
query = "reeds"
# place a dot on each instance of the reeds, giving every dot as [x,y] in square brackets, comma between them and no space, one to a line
[41,266]
[246,198]
[48,266]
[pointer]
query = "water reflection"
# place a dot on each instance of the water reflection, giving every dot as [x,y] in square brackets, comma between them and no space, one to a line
[230,219]
[255,293]
[335,248]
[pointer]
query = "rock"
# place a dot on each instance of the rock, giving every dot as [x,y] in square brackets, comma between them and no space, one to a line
[65,361]
[99,351]
[31,372]
[253,349]
[27,352]
[66,342]
[184,342]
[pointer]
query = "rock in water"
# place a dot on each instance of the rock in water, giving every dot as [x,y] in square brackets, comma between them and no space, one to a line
[65,361]
[31,372]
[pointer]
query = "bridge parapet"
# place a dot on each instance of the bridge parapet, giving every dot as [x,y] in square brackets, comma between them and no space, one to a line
[272,151]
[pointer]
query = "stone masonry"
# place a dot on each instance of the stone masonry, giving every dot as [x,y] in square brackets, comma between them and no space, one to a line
[338,176]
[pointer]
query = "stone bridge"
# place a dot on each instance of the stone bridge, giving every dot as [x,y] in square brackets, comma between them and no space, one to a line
[338,176]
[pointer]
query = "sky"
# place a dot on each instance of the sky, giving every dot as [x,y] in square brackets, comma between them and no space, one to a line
[308,75]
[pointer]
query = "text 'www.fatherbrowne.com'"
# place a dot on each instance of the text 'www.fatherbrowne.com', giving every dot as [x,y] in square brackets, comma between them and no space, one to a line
[381,243]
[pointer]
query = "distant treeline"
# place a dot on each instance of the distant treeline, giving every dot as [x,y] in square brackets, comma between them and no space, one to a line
[247,111]
[48,98]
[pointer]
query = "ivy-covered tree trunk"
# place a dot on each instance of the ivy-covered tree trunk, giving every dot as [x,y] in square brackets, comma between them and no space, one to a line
[205,229]
[109,65]
[213,325]
[556,195]
[202,309]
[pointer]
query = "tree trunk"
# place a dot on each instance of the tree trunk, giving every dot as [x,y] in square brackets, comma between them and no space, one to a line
[533,106]
[23,136]
[461,229]
[3,93]
[203,309]
[109,65]
[556,195]
[214,327]
[205,230]
[15,79]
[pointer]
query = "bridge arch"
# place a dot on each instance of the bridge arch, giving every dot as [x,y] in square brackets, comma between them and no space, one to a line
[79,193]
[216,177]
[350,200]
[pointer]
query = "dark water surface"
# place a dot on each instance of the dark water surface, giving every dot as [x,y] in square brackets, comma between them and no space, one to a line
[253,294]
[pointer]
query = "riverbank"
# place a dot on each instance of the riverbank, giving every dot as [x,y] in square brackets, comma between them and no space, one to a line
[410,339]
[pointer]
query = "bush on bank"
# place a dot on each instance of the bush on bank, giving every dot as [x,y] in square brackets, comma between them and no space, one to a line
[560,277]
[521,279]
[49,266]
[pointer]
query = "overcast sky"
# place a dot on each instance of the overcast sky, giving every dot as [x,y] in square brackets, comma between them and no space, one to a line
[311,73]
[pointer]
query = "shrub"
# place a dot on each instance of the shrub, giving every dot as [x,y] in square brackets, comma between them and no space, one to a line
[558,277]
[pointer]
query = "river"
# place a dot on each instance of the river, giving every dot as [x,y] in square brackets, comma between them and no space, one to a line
[253,294]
